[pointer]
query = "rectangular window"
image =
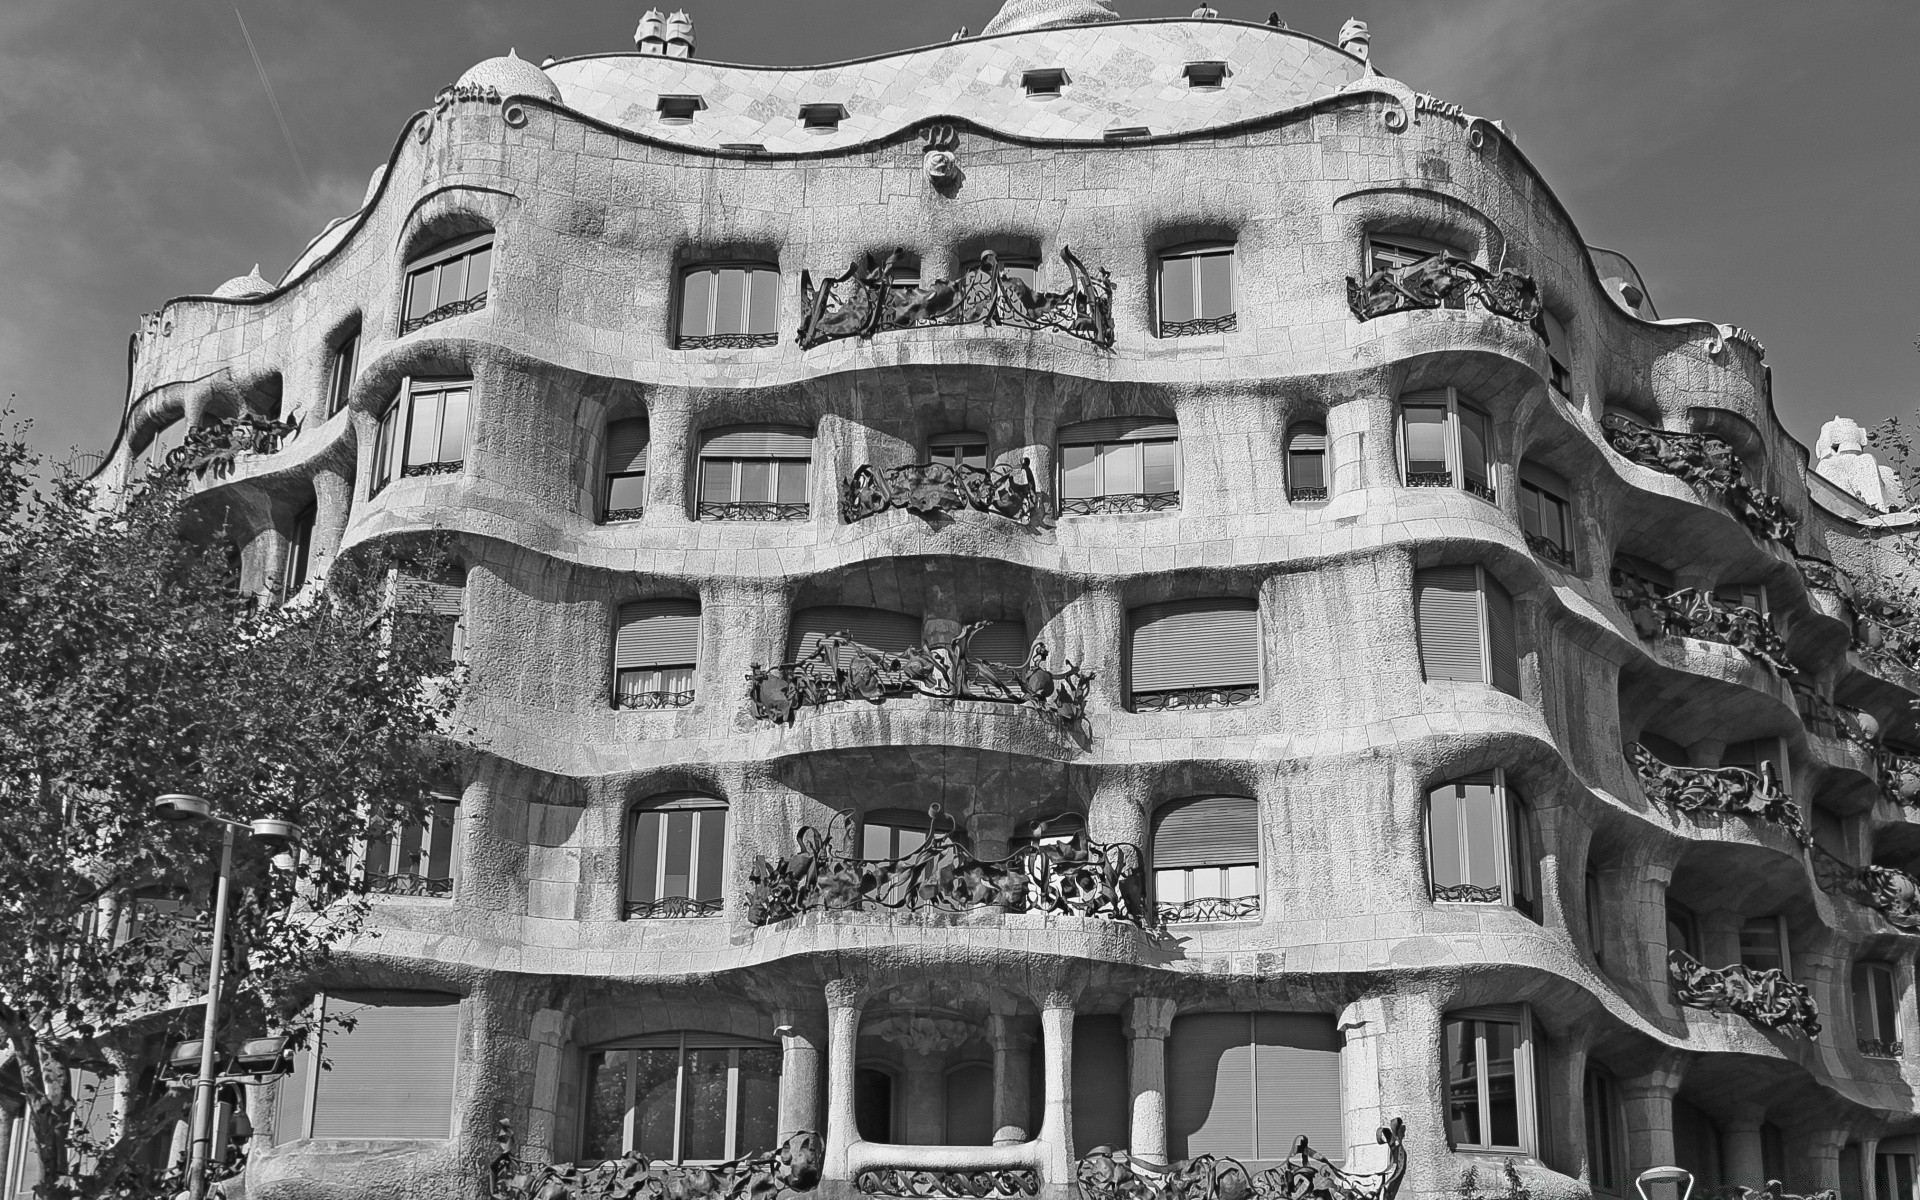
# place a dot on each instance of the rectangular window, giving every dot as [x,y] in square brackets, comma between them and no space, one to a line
[624,488]
[690,1098]
[1247,1085]
[424,431]
[1206,859]
[756,474]
[1307,463]
[1446,442]
[393,1075]
[1480,843]
[1893,1177]
[958,450]
[676,859]
[1546,519]
[655,653]
[1876,1017]
[1197,290]
[299,553]
[1391,252]
[386,440]
[1596,919]
[448,282]
[1490,1080]
[1559,355]
[415,859]
[1604,1143]
[1193,654]
[1128,464]
[1763,945]
[1681,932]
[343,370]
[729,307]
[1466,626]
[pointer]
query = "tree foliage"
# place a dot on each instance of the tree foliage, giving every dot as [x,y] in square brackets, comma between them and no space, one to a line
[131,667]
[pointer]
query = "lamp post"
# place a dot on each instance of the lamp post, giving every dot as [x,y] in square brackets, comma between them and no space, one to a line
[275,834]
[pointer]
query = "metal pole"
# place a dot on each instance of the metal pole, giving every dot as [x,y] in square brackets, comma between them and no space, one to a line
[199,1152]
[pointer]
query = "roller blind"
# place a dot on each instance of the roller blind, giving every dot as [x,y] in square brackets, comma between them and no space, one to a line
[1100,1090]
[1119,429]
[1502,646]
[1000,642]
[1296,1083]
[1447,601]
[393,1075]
[439,599]
[1547,480]
[1307,438]
[290,1099]
[1210,1086]
[758,441]
[874,628]
[1211,831]
[1246,1085]
[657,633]
[1195,644]
[626,447]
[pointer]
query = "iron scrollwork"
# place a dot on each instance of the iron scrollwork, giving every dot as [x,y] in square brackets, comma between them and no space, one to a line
[753,510]
[1468,893]
[1756,795]
[988,1184]
[1128,502]
[1775,1190]
[1763,996]
[1306,1174]
[409,883]
[1206,910]
[217,446]
[674,906]
[1444,281]
[1076,877]
[1880,1048]
[866,300]
[1186,698]
[793,1167]
[726,341]
[628,700]
[1690,612]
[842,669]
[1550,550]
[1899,777]
[1886,636]
[1704,461]
[1889,891]
[452,308]
[927,488]
[1200,326]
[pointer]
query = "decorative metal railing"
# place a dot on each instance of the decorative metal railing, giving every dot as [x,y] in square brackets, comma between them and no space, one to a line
[1704,461]
[840,668]
[1075,877]
[1829,720]
[752,510]
[1306,1174]
[1550,550]
[866,300]
[1765,997]
[1306,495]
[794,1166]
[726,341]
[1886,637]
[674,906]
[1693,613]
[1735,791]
[622,514]
[1137,502]
[1899,776]
[653,699]
[1445,282]
[216,446]
[453,308]
[1821,574]
[409,883]
[1214,697]
[449,466]
[927,488]
[1878,1048]
[1429,478]
[987,1184]
[1889,891]
[1775,1190]
[1207,910]
[1200,325]
[1468,893]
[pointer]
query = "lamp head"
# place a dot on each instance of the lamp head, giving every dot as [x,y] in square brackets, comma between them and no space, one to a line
[275,834]
[178,806]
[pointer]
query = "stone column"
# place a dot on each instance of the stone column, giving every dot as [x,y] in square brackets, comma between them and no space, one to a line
[1115,814]
[1564,1074]
[1816,1167]
[799,1074]
[1742,1148]
[1149,1020]
[1869,1150]
[332,509]
[547,1036]
[843,1029]
[1392,1067]
[672,444]
[1648,1103]
[1012,1068]
[923,1098]
[1056,1124]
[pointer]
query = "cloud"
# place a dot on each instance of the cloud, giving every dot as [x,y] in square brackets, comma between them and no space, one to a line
[23,186]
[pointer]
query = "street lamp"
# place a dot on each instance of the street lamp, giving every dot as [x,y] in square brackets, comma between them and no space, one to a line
[279,836]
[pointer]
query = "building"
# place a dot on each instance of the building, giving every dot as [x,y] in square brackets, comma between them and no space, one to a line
[1319,649]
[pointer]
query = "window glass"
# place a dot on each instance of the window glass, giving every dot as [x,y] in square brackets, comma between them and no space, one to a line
[1196,285]
[755,481]
[656,1097]
[960,454]
[1474,444]
[1467,842]
[1215,284]
[1386,254]
[716,480]
[1596,918]
[1680,929]
[716,1096]
[730,302]
[1426,437]
[1307,463]
[1079,472]
[626,493]
[450,276]
[606,1116]
[423,431]
[676,853]
[1485,1061]
[1160,465]
[344,369]
[1120,468]
[453,426]
[1177,299]
[792,487]
[383,445]
[696,304]
[1761,945]
[1024,270]
[1603,1132]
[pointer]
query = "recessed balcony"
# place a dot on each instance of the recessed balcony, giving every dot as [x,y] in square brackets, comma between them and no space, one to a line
[1690,612]
[1706,462]
[1444,281]
[1764,996]
[1731,791]
[872,298]
[925,489]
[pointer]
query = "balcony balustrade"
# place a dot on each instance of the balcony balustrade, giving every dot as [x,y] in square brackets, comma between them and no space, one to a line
[1823,717]
[868,299]
[653,700]
[1306,1174]
[1207,910]
[840,668]
[1889,891]
[1133,502]
[1705,461]
[452,308]
[1899,776]
[1189,698]
[1445,282]
[1693,613]
[752,510]
[408,883]
[1074,877]
[218,445]
[1775,1190]
[1736,791]
[1552,551]
[668,907]
[1886,637]
[928,488]
[1876,1048]
[792,1167]
[1763,996]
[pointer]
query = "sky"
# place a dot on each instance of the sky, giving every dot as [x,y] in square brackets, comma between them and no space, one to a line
[1755,158]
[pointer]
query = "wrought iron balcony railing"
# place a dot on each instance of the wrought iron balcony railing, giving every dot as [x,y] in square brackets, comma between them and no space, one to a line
[1550,550]
[1889,891]
[1886,637]
[1704,461]
[1765,997]
[1214,697]
[1429,478]
[842,669]
[1305,1174]
[1821,574]
[1468,893]
[1823,717]
[752,510]
[1899,776]
[673,906]
[1693,613]
[1306,495]
[1877,1048]
[626,700]
[867,299]
[928,488]
[453,308]
[408,883]
[1775,1190]
[1199,326]
[217,445]
[1735,791]
[1207,910]
[622,514]
[1136,502]
[793,1166]
[986,1183]
[451,466]
[726,341]
[1077,877]
[1445,282]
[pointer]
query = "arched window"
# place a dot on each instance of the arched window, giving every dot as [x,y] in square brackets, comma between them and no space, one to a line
[424,430]
[448,281]
[1206,859]
[682,1097]
[1307,479]
[1876,1011]
[1197,289]
[656,653]
[623,495]
[676,857]
[1445,441]
[755,473]
[1466,627]
[729,306]
[1480,846]
[1194,654]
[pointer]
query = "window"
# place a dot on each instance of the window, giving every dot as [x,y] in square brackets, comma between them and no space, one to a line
[415,859]
[1196,290]
[1696,1142]
[1596,918]
[1876,1022]
[822,118]
[343,369]
[391,1076]
[1044,83]
[1466,627]
[958,450]
[1445,442]
[1829,831]
[682,1097]
[1559,355]
[433,440]
[885,633]
[1480,844]
[1605,1160]
[299,553]
[1490,1080]
[755,473]
[1682,932]
[1307,462]
[1126,464]
[726,306]
[448,282]
[894,833]
[679,110]
[1206,76]
[676,858]
[1206,859]
[153,456]
[1763,945]
[1102,1108]
[1246,1085]
[1756,754]
[1893,1177]
[1388,252]
[1193,654]
[1024,268]
[656,648]
[1546,519]
[623,495]
[438,608]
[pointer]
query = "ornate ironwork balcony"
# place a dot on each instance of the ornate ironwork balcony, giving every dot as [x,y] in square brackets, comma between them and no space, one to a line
[1079,878]
[1306,1174]
[1468,893]
[752,510]
[1217,697]
[928,488]
[1199,326]
[444,467]
[1550,550]
[794,1166]
[1899,777]
[216,446]
[1205,910]
[987,1184]
[726,341]
[408,883]
[866,300]
[1765,997]
[1138,502]
[1875,1048]
[1829,720]
[622,514]
[1704,461]
[673,906]
[453,308]
[1306,495]
[1445,282]
[1889,891]
[1475,487]
[843,669]
[1775,1190]
[1693,613]
[1429,478]
[1821,574]
[653,699]
[1886,636]
[1736,791]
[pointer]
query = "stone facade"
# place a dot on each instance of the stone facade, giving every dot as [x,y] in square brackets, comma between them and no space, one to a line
[599,198]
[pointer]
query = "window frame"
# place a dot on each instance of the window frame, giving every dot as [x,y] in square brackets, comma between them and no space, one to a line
[663,906]
[1296,492]
[1884,1020]
[1526,1078]
[666,697]
[466,246]
[1600,1098]
[437,388]
[681,1041]
[1559,347]
[1101,503]
[734,508]
[1225,890]
[419,883]
[296,570]
[1483,578]
[1190,255]
[1378,249]
[1225,695]
[958,440]
[749,338]
[1535,488]
[1515,852]
[610,515]
[1593,898]
[1779,924]
[343,368]
[1454,447]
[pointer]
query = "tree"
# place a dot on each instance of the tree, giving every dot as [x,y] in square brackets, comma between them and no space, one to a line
[131,667]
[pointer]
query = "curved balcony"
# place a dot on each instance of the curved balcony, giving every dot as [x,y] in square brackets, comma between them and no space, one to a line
[1765,997]
[867,299]
[1692,613]
[926,489]
[1706,462]
[1444,281]
[214,448]
[1733,791]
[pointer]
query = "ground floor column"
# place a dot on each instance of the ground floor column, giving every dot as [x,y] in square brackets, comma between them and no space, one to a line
[1012,1069]
[1149,1021]
[923,1098]
[1647,1103]
[1742,1148]
[799,1073]
[1056,1123]
[843,1030]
